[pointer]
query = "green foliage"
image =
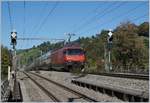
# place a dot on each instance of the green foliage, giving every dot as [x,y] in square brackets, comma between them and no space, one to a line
[94,48]
[5,61]
[129,49]
[29,55]
[146,41]
[144,29]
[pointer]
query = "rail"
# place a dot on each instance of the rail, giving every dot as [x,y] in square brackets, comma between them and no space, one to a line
[127,75]
[48,93]
[68,89]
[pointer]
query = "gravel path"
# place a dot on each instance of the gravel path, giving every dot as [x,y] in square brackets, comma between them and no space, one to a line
[65,78]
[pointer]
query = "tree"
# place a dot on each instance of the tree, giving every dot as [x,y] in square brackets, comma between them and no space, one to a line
[129,47]
[6,61]
[144,29]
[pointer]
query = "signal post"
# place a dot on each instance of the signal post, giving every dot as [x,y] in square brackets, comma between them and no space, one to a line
[14,43]
[109,39]
[15,84]
[107,52]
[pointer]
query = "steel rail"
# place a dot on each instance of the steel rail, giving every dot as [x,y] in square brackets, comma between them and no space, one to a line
[124,75]
[68,89]
[55,99]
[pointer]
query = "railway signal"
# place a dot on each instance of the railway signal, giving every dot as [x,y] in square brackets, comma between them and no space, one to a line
[14,43]
[14,67]
[13,38]
[110,38]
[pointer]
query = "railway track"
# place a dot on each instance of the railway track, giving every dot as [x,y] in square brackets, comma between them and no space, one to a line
[124,75]
[51,95]
[48,93]
[127,75]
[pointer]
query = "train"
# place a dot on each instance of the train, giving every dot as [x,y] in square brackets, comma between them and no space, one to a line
[67,58]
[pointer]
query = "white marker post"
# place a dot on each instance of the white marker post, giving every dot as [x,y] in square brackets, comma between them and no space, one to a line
[8,73]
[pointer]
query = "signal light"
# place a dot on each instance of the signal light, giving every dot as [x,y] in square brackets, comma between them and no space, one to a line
[110,37]
[13,38]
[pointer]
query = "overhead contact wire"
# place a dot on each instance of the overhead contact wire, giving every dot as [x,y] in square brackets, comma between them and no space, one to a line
[10,17]
[104,12]
[45,19]
[112,19]
[85,17]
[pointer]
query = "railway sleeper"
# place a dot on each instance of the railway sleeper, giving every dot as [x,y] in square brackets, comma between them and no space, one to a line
[55,99]
[68,89]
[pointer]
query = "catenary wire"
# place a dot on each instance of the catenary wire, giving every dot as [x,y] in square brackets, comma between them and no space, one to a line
[103,11]
[113,19]
[10,17]
[45,19]
[85,17]
[106,11]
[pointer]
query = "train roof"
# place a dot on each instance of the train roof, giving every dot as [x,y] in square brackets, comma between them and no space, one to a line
[69,45]
[72,45]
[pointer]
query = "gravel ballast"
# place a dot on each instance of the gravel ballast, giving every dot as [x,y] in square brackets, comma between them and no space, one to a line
[98,79]
[33,92]
[65,79]
[58,92]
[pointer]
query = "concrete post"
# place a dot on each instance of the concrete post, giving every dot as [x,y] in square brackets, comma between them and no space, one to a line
[8,73]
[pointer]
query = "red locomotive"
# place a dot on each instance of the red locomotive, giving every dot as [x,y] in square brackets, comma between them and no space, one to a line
[68,57]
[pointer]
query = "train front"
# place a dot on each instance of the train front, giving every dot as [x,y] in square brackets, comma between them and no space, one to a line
[74,58]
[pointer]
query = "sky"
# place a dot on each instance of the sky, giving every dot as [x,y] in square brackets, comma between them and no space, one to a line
[54,19]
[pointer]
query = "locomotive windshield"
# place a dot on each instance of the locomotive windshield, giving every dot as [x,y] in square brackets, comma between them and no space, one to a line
[74,52]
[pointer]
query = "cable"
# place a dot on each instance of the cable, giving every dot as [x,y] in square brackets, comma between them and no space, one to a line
[137,18]
[10,18]
[85,17]
[24,21]
[35,26]
[112,19]
[24,17]
[45,19]
[93,17]
[105,11]
[43,9]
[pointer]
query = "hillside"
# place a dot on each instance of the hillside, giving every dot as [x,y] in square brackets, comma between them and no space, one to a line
[130,48]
